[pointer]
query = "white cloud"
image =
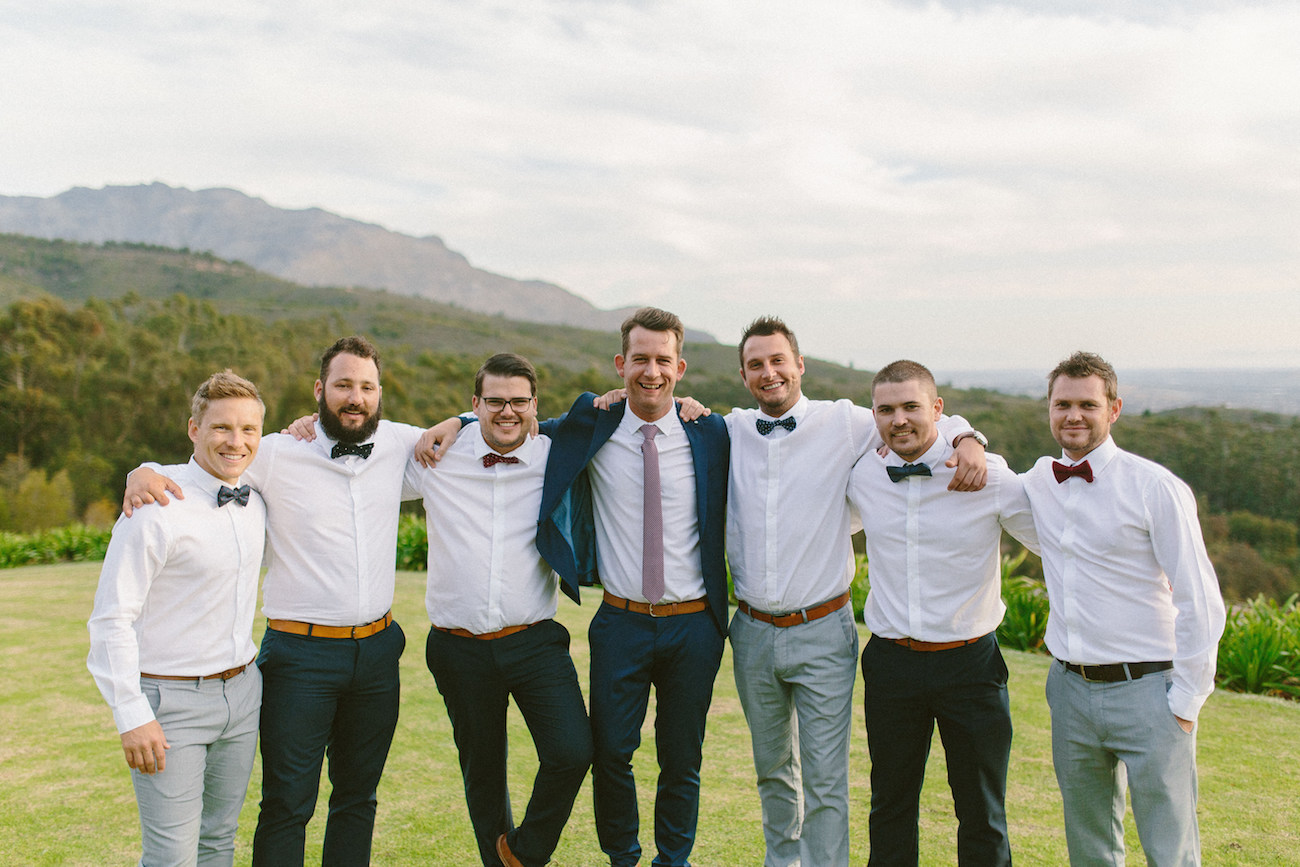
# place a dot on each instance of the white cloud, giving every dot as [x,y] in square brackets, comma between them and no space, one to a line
[985,164]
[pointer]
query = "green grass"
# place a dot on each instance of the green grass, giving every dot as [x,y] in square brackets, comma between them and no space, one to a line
[66,799]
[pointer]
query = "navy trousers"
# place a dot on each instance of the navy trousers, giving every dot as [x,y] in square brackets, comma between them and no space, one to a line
[679,657]
[477,679]
[964,690]
[340,694]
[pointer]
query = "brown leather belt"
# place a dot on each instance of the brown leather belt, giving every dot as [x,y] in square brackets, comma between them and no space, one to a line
[295,627]
[794,618]
[929,646]
[1116,671]
[484,636]
[662,609]
[220,675]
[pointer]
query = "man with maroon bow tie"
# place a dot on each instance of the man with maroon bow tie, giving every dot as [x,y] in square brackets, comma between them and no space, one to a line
[1135,621]
[491,601]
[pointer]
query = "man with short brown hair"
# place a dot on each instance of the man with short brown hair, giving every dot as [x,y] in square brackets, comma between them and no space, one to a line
[1136,617]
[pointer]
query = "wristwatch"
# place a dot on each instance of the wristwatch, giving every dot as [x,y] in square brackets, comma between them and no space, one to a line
[973,434]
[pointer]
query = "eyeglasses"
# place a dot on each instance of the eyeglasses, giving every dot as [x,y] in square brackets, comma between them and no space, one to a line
[496,404]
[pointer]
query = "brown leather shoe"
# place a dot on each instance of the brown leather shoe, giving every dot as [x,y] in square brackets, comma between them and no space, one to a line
[507,857]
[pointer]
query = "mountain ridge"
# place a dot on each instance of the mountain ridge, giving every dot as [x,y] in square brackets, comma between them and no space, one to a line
[310,246]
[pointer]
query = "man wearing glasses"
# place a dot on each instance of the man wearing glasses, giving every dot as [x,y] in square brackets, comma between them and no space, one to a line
[491,601]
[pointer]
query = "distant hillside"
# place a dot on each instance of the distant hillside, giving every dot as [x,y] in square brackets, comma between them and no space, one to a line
[311,247]
[101,345]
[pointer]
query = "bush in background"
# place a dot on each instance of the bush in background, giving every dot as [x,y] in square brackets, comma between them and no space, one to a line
[71,543]
[1260,648]
[412,543]
[1024,625]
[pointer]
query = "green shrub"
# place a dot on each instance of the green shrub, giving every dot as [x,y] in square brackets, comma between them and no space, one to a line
[1260,648]
[1024,625]
[72,543]
[412,544]
[861,585]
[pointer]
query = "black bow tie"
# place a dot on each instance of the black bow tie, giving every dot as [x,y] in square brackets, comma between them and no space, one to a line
[341,449]
[1064,471]
[897,474]
[239,495]
[765,427]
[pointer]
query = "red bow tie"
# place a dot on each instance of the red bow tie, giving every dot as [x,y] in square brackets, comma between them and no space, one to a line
[1063,471]
[492,458]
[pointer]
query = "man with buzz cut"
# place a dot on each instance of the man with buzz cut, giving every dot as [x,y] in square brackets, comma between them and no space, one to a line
[330,653]
[933,611]
[794,639]
[171,645]
[492,601]
[1136,617]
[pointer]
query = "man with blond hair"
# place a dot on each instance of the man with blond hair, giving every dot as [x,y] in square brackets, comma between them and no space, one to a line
[171,645]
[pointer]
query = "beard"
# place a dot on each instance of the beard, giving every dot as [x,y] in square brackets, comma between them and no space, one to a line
[335,429]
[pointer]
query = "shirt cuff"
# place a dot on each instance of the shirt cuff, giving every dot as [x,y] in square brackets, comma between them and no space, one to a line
[133,714]
[1185,705]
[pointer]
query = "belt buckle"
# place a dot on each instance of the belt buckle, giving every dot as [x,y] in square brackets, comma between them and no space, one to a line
[1083,671]
[653,606]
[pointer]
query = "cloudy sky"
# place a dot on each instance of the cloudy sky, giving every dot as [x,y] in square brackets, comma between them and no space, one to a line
[971,184]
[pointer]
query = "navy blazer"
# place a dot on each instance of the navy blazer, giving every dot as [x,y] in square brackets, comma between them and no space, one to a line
[566,530]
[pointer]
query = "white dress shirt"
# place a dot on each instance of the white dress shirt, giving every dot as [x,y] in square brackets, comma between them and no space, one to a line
[332,525]
[935,554]
[484,569]
[1127,574]
[177,593]
[788,513]
[617,486]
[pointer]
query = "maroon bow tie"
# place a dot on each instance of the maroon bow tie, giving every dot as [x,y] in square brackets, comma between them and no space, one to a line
[1063,471]
[492,458]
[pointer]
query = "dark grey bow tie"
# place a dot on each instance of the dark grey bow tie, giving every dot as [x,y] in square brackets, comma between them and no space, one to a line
[897,474]
[239,495]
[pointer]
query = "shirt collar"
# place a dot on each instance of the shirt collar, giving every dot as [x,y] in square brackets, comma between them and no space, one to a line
[525,451]
[1098,459]
[207,482]
[797,412]
[934,456]
[668,424]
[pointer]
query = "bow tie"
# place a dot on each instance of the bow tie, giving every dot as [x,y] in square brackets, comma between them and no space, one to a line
[1063,472]
[341,449]
[765,427]
[492,459]
[897,474]
[226,494]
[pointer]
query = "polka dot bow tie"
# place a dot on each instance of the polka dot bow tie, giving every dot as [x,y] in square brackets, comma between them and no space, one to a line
[239,495]
[765,427]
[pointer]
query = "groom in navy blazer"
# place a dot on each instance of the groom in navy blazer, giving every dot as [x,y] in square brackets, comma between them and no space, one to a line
[590,531]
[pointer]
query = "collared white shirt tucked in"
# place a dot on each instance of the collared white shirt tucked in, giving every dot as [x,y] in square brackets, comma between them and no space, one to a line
[177,592]
[332,525]
[934,554]
[1127,574]
[617,486]
[788,517]
[484,569]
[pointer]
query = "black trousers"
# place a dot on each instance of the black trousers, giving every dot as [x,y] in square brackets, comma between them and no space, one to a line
[964,690]
[476,679]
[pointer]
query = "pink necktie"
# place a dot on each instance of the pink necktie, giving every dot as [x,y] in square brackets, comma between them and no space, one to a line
[652,526]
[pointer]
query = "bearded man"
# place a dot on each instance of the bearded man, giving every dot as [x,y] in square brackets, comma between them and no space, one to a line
[329,656]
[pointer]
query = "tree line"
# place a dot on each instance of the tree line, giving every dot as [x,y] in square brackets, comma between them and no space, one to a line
[88,392]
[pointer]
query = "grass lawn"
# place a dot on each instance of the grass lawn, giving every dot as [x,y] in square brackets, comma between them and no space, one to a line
[66,798]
